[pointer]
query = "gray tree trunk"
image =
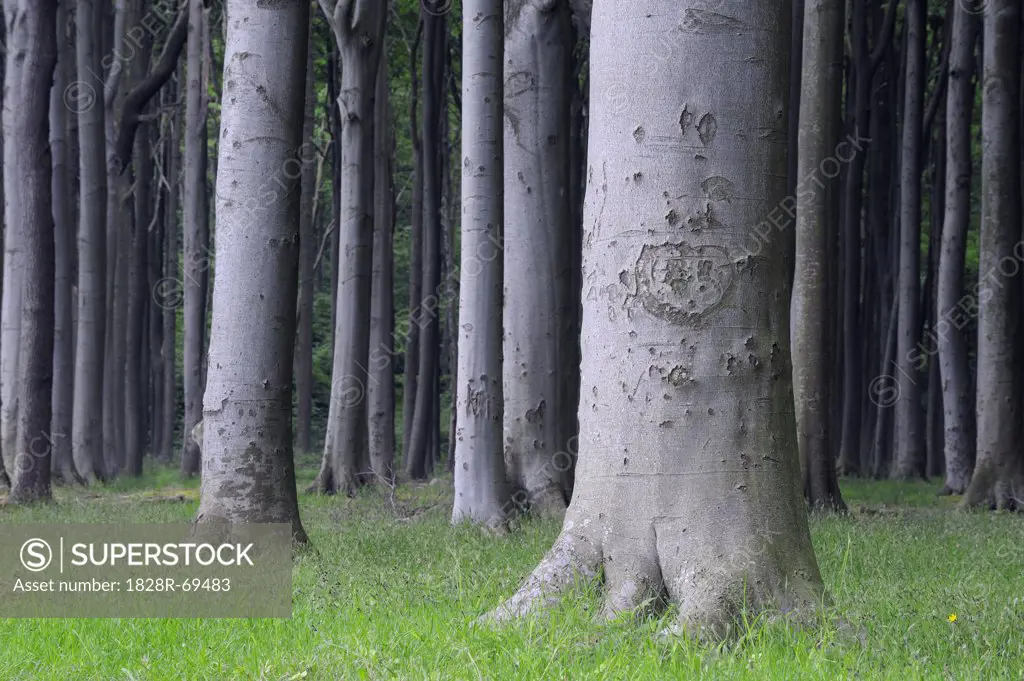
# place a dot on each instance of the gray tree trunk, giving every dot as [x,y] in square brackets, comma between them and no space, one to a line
[998,479]
[481,491]
[380,388]
[359,29]
[685,336]
[63,253]
[307,258]
[197,236]
[908,455]
[13,266]
[248,467]
[33,36]
[423,435]
[820,129]
[172,274]
[951,329]
[135,402]
[536,193]
[411,366]
[88,410]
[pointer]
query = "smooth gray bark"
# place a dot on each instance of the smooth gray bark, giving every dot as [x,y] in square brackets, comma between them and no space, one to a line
[480,487]
[908,454]
[819,133]
[63,253]
[358,29]
[90,334]
[998,479]
[537,211]
[951,330]
[307,258]
[686,336]
[197,235]
[33,35]
[248,467]
[380,389]
[172,274]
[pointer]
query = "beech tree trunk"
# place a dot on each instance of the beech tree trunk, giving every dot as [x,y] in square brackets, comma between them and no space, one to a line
[172,274]
[63,253]
[423,435]
[686,337]
[248,467]
[359,29]
[951,322]
[537,209]
[908,458]
[307,257]
[998,479]
[33,37]
[480,487]
[87,419]
[197,237]
[381,382]
[820,129]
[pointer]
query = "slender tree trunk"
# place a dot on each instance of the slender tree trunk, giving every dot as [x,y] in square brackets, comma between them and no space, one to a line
[88,410]
[480,488]
[411,367]
[537,207]
[359,33]
[381,381]
[423,435]
[307,256]
[172,273]
[681,514]
[63,253]
[908,459]
[138,290]
[248,467]
[951,322]
[27,133]
[820,129]
[197,237]
[998,479]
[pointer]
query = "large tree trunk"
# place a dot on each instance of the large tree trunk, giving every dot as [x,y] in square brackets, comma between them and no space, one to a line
[908,459]
[423,434]
[63,253]
[820,129]
[951,323]
[359,31]
[998,479]
[307,258]
[27,132]
[480,488]
[197,236]
[381,381]
[87,418]
[685,337]
[536,179]
[248,467]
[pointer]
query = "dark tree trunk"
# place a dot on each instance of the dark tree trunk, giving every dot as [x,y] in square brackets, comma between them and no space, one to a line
[411,368]
[307,257]
[34,44]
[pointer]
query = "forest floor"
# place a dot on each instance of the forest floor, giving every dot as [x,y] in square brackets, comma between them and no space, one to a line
[390,591]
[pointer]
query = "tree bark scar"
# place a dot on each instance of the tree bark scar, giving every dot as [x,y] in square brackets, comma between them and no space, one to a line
[680,283]
[702,21]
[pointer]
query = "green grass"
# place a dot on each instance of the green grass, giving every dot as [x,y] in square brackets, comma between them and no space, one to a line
[386,595]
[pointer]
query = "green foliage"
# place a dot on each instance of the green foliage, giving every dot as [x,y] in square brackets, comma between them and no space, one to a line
[386,596]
